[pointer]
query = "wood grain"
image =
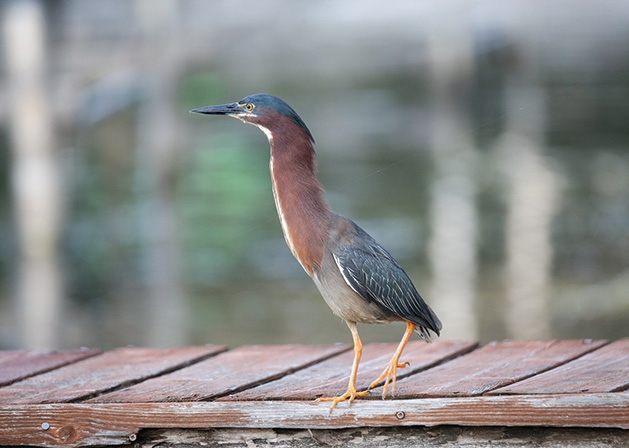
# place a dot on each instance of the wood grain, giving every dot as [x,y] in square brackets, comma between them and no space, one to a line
[330,378]
[390,437]
[16,365]
[101,373]
[115,424]
[228,372]
[494,365]
[130,389]
[603,370]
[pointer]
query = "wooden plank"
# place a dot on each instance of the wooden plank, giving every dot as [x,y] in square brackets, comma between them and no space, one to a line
[330,378]
[494,365]
[231,371]
[603,370]
[102,373]
[390,437]
[16,365]
[73,424]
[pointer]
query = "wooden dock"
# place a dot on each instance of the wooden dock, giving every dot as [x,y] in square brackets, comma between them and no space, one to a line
[265,395]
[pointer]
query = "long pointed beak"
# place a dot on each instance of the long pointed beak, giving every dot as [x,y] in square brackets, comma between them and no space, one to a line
[222,109]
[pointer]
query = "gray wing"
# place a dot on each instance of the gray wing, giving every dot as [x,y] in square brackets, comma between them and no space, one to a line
[377,277]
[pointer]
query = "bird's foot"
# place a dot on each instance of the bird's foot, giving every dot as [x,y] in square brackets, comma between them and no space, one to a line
[390,373]
[350,395]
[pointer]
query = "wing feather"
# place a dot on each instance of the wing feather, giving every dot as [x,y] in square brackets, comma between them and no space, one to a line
[377,277]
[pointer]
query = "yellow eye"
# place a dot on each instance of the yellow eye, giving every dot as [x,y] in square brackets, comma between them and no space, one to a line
[249,107]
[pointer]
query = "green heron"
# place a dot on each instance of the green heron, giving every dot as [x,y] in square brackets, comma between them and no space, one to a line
[360,281]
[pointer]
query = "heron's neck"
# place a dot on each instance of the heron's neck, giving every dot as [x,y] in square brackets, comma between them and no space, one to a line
[299,197]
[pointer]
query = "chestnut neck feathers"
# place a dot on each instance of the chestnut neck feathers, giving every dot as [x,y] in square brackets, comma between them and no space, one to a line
[299,198]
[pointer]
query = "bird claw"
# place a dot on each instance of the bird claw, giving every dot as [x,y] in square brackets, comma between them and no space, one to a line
[350,396]
[390,373]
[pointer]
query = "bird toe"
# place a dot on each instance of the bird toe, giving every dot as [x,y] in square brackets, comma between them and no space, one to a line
[349,396]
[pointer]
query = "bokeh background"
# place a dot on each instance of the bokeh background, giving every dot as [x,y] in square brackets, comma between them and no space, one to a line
[484,143]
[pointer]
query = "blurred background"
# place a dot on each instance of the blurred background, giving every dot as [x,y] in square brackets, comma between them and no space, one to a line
[484,143]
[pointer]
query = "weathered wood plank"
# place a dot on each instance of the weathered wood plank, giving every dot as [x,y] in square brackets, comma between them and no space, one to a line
[231,371]
[494,365]
[330,378]
[603,370]
[118,423]
[389,437]
[102,373]
[16,365]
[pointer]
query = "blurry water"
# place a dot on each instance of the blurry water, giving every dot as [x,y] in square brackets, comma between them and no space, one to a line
[486,147]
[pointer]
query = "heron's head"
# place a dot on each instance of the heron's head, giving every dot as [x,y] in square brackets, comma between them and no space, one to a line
[262,110]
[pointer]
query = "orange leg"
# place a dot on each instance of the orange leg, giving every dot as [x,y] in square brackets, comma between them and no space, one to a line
[351,393]
[391,371]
